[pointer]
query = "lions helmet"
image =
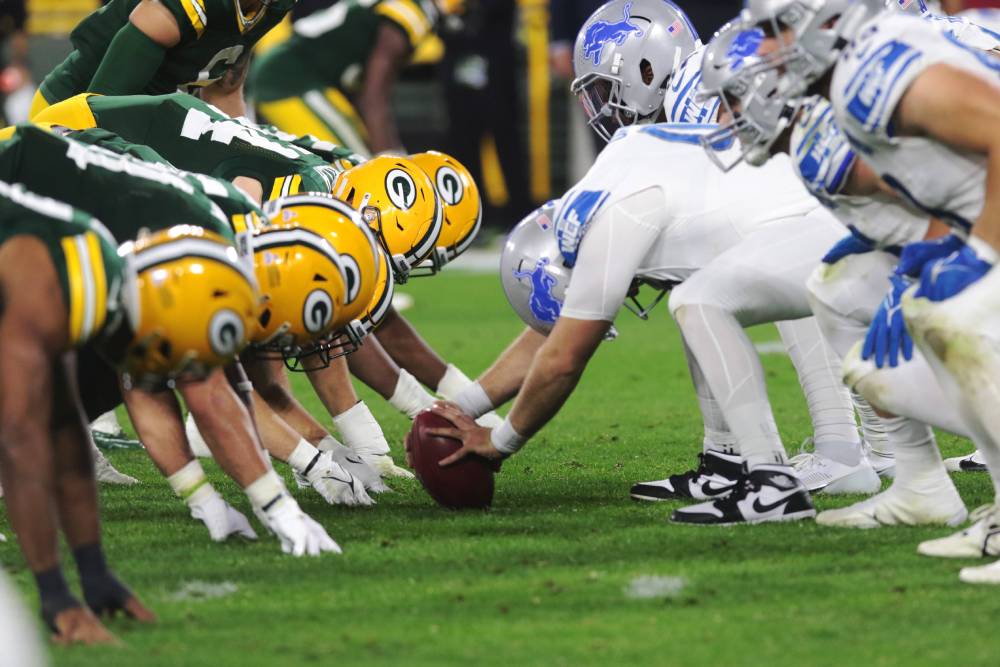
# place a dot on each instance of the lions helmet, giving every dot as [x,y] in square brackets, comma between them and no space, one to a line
[460,203]
[624,58]
[304,284]
[397,200]
[198,305]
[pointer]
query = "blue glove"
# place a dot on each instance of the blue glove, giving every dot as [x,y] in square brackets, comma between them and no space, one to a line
[944,278]
[888,334]
[917,255]
[849,245]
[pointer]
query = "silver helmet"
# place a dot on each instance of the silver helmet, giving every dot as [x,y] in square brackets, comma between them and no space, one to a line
[624,57]
[811,34]
[918,7]
[752,111]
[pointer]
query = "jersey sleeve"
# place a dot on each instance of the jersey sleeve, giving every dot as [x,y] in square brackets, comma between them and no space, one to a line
[610,257]
[408,16]
[191,16]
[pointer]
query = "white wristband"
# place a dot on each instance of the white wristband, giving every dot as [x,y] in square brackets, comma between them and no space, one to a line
[452,383]
[506,440]
[983,250]
[474,401]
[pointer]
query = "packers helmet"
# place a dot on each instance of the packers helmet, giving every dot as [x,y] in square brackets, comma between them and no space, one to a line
[382,298]
[397,200]
[196,303]
[461,206]
[304,284]
[356,247]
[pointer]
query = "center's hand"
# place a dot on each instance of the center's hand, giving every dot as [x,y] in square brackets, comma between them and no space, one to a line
[474,438]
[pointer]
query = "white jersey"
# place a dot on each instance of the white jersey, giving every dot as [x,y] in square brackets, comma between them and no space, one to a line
[869,81]
[654,207]
[823,159]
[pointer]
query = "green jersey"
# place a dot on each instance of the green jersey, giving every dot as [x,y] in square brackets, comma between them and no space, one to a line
[214,34]
[195,136]
[83,253]
[330,48]
[126,194]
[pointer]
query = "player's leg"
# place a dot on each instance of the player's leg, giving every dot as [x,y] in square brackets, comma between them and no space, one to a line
[326,114]
[102,397]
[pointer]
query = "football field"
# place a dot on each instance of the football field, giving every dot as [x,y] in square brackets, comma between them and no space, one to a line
[564,570]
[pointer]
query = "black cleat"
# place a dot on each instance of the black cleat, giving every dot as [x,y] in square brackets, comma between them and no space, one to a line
[715,477]
[766,493]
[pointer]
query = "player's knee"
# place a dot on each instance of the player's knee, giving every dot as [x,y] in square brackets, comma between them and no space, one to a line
[863,376]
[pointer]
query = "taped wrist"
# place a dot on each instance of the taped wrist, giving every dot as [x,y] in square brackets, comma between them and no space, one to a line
[266,491]
[102,591]
[54,595]
[506,440]
[410,397]
[452,382]
[304,457]
[188,480]
[474,401]
[142,55]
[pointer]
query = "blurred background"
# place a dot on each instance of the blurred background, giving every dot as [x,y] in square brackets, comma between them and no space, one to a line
[491,88]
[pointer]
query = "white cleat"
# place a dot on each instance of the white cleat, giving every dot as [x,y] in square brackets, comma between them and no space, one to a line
[820,474]
[106,473]
[900,507]
[198,445]
[981,574]
[108,424]
[979,540]
[973,462]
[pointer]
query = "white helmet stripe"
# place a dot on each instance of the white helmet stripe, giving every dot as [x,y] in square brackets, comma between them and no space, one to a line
[148,258]
[287,237]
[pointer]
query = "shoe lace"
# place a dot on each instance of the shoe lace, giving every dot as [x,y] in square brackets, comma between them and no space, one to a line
[806,456]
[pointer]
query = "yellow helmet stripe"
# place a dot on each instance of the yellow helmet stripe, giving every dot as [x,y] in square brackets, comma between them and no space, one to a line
[195,11]
[100,281]
[75,282]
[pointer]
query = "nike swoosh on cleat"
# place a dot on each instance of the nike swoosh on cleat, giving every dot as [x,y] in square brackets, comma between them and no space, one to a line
[710,490]
[764,509]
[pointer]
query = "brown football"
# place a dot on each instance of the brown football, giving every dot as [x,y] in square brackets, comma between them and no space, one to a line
[467,484]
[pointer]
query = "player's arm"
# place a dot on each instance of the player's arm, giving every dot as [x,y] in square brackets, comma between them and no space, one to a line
[503,380]
[227,92]
[137,50]
[408,349]
[392,50]
[962,110]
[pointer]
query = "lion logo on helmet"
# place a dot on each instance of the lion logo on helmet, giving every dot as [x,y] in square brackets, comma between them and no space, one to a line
[600,33]
[543,304]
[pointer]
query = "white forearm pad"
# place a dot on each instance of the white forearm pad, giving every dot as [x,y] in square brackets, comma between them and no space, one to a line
[506,440]
[410,397]
[452,383]
[265,490]
[473,400]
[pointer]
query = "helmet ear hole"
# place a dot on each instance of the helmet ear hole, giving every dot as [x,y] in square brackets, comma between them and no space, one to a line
[646,72]
[166,349]
[265,317]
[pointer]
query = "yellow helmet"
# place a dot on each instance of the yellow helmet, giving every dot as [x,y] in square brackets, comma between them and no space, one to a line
[196,305]
[397,200]
[382,298]
[461,204]
[356,247]
[304,284]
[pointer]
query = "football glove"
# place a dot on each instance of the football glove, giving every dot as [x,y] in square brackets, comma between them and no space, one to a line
[336,485]
[944,278]
[354,464]
[221,519]
[916,256]
[852,244]
[298,533]
[887,336]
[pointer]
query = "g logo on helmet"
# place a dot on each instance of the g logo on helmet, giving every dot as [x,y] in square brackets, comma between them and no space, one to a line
[450,186]
[317,312]
[353,272]
[226,333]
[401,189]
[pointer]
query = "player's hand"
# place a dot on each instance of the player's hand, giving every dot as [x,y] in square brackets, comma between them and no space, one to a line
[916,256]
[354,464]
[944,278]
[887,336]
[474,438]
[298,533]
[221,518]
[78,625]
[336,485]
[852,244]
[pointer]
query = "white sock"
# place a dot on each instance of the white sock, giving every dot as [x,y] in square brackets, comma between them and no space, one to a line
[718,437]
[190,483]
[835,431]
[360,430]
[410,397]
[918,462]
[107,423]
[473,400]
[872,427]
[303,456]
[452,382]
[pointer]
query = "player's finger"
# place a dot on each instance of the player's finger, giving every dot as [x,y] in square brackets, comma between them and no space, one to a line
[454,458]
[138,611]
[445,432]
[869,347]
[907,344]
[452,413]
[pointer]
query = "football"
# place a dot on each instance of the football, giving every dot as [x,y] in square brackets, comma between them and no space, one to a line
[467,484]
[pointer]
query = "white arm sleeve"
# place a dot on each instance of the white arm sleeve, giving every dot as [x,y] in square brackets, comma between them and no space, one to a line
[611,253]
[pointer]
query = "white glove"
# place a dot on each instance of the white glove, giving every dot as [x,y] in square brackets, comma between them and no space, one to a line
[299,534]
[354,464]
[385,466]
[363,434]
[221,519]
[336,485]
[490,420]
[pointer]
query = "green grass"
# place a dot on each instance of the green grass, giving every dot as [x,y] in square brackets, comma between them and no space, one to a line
[540,579]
